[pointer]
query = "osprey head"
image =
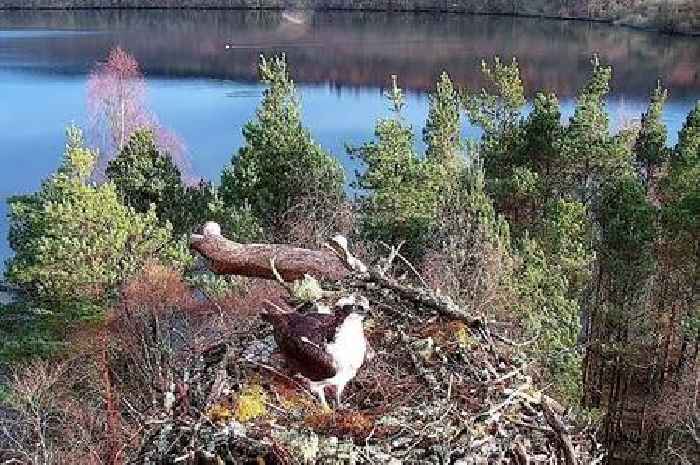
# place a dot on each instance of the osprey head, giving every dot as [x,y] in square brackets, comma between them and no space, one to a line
[353,305]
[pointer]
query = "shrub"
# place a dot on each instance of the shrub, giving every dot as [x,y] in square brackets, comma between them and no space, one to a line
[470,256]
[52,416]
[313,220]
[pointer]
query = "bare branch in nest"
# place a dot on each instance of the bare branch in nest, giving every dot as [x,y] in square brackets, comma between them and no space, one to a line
[393,253]
[287,263]
[520,454]
[562,435]
[396,254]
[424,297]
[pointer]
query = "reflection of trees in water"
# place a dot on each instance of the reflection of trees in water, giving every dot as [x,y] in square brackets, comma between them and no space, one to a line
[363,49]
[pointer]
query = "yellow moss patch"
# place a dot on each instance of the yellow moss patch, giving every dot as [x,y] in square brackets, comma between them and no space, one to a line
[461,335]
[251,404]
[220,413]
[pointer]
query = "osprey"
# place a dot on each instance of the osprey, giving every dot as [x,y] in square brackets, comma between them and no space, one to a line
[325,349]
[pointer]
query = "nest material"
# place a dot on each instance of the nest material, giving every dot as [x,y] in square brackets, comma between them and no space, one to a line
[439,390]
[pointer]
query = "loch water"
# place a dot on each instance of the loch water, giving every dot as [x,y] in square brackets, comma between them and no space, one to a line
[200,68]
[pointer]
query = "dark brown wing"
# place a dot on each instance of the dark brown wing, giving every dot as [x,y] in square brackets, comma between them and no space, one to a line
[319,328]
[302,339]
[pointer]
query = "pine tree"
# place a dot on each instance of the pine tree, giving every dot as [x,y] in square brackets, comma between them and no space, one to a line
[650,147]
[144,175]
[497,113]
[589,152]
[541,138]
[402,190]
[75,242]
[442,129]
[280,164]
[684,167]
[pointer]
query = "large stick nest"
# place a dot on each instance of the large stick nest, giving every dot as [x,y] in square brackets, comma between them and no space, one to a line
[441,388]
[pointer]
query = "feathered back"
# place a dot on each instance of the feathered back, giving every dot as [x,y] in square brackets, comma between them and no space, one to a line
[303,338]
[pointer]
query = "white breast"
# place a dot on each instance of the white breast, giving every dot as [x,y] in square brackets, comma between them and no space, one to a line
[349,348]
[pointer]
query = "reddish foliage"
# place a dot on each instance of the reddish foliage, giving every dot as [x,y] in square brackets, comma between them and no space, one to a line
[252,302]
[157,288]
[116,103]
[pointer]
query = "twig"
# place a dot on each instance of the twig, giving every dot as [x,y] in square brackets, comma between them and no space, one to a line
[508,375]
[279,278]
[408,263]
[393,252]
[543,429]
[491,413]
[276,307]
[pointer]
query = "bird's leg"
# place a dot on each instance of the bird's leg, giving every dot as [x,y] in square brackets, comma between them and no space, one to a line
[320,391]
[338,394]
[322,397]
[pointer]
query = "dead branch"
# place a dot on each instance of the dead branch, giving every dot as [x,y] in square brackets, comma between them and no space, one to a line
[557,425]
[425,297]
[253,260]
[335,262]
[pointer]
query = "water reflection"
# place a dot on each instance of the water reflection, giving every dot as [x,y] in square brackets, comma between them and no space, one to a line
[206,92]
[352,49]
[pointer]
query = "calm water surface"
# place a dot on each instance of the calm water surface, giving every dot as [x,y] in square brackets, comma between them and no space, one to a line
[200,67]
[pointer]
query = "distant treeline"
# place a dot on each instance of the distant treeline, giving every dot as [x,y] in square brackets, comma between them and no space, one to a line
[681,16]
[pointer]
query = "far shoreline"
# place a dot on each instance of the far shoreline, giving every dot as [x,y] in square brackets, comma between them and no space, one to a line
[11,5]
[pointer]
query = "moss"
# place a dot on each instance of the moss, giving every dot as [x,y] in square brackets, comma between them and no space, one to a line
[220,413]
[251,404]
[307,289]
[461,335]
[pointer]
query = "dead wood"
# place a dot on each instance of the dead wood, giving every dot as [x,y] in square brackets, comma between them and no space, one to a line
[563,439]
[254,260]
[334,262]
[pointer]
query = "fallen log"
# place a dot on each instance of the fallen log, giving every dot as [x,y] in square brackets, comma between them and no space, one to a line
[225,256]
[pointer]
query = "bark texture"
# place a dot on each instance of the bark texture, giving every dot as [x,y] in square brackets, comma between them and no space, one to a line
[255,260]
